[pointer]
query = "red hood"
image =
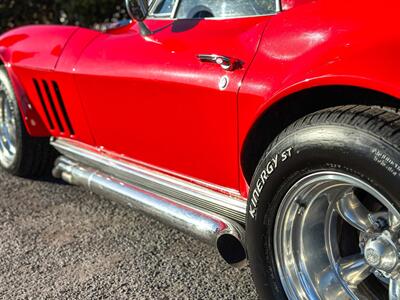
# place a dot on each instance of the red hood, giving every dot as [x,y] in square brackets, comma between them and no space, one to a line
[37,46]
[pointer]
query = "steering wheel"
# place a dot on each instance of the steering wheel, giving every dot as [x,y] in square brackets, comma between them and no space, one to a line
[200,12]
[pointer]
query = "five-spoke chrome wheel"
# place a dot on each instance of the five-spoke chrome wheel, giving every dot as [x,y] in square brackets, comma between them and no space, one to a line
[8,131]
[337,237]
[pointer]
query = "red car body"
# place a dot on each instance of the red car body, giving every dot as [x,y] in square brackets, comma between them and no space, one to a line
[151,100]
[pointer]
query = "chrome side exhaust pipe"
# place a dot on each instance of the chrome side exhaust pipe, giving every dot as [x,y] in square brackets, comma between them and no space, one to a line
[227,235]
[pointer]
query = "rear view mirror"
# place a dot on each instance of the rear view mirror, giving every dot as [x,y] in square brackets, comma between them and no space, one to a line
[138,10]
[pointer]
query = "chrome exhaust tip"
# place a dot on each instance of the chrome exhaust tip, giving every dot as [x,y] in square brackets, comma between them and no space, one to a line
[225,234]
[232,250]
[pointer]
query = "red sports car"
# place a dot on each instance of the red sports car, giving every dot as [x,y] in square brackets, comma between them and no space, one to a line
[268,128]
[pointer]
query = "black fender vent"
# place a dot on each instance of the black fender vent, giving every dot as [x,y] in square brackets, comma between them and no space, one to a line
[53,105]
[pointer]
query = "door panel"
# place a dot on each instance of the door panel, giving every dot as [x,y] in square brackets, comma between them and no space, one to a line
[152,100]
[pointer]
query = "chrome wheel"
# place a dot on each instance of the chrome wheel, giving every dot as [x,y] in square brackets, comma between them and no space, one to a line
[8,131]
[336,237]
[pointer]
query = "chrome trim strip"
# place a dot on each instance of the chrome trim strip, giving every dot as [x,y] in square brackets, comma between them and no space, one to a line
[163,15]
[278,6]
[216,19]
[175,8]
[211,198]
[225,234]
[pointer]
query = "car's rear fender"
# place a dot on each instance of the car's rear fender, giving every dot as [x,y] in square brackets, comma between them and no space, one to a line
[319,44]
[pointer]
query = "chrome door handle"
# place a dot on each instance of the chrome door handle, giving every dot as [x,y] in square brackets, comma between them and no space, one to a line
[226,63]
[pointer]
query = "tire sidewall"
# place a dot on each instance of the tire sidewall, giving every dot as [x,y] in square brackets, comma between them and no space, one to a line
[312,149]
[14,167]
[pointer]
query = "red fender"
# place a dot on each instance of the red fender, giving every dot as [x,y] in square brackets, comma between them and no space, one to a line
[32,47]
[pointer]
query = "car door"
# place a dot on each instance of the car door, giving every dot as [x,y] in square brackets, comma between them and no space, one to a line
[169,99]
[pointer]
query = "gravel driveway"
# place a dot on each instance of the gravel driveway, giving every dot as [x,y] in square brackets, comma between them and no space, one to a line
[61,242]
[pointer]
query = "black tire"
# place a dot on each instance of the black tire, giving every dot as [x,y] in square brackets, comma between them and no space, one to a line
[346,139]
[34,157]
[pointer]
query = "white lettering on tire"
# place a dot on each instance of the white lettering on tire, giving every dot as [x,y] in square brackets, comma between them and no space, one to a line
[270,168]
[386,161]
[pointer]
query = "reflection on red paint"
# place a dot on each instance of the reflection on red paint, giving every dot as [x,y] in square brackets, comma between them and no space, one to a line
[56,50]
[18,56]
[9,41]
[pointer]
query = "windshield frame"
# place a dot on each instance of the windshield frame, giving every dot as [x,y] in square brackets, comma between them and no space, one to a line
[172,15]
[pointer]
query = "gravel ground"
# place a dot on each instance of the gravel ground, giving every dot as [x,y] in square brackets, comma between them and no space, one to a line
[61,242]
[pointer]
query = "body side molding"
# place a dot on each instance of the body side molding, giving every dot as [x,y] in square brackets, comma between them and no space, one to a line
[227,204]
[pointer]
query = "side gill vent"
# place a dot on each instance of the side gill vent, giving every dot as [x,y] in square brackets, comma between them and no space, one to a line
[62,107]
[53,105]
[48,118]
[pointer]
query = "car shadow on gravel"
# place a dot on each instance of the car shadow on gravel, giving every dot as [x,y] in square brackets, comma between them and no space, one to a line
[52,179]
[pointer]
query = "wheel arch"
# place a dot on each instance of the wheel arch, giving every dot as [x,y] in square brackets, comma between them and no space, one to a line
[292,107]
[31,119]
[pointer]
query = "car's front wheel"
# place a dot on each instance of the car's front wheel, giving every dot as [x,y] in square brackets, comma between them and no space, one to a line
[20,154]
[324,210]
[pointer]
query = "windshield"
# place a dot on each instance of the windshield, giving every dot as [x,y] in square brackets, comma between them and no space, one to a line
[192,9]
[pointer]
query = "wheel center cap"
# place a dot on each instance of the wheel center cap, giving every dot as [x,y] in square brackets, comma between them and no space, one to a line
[381,253]
[373,257]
